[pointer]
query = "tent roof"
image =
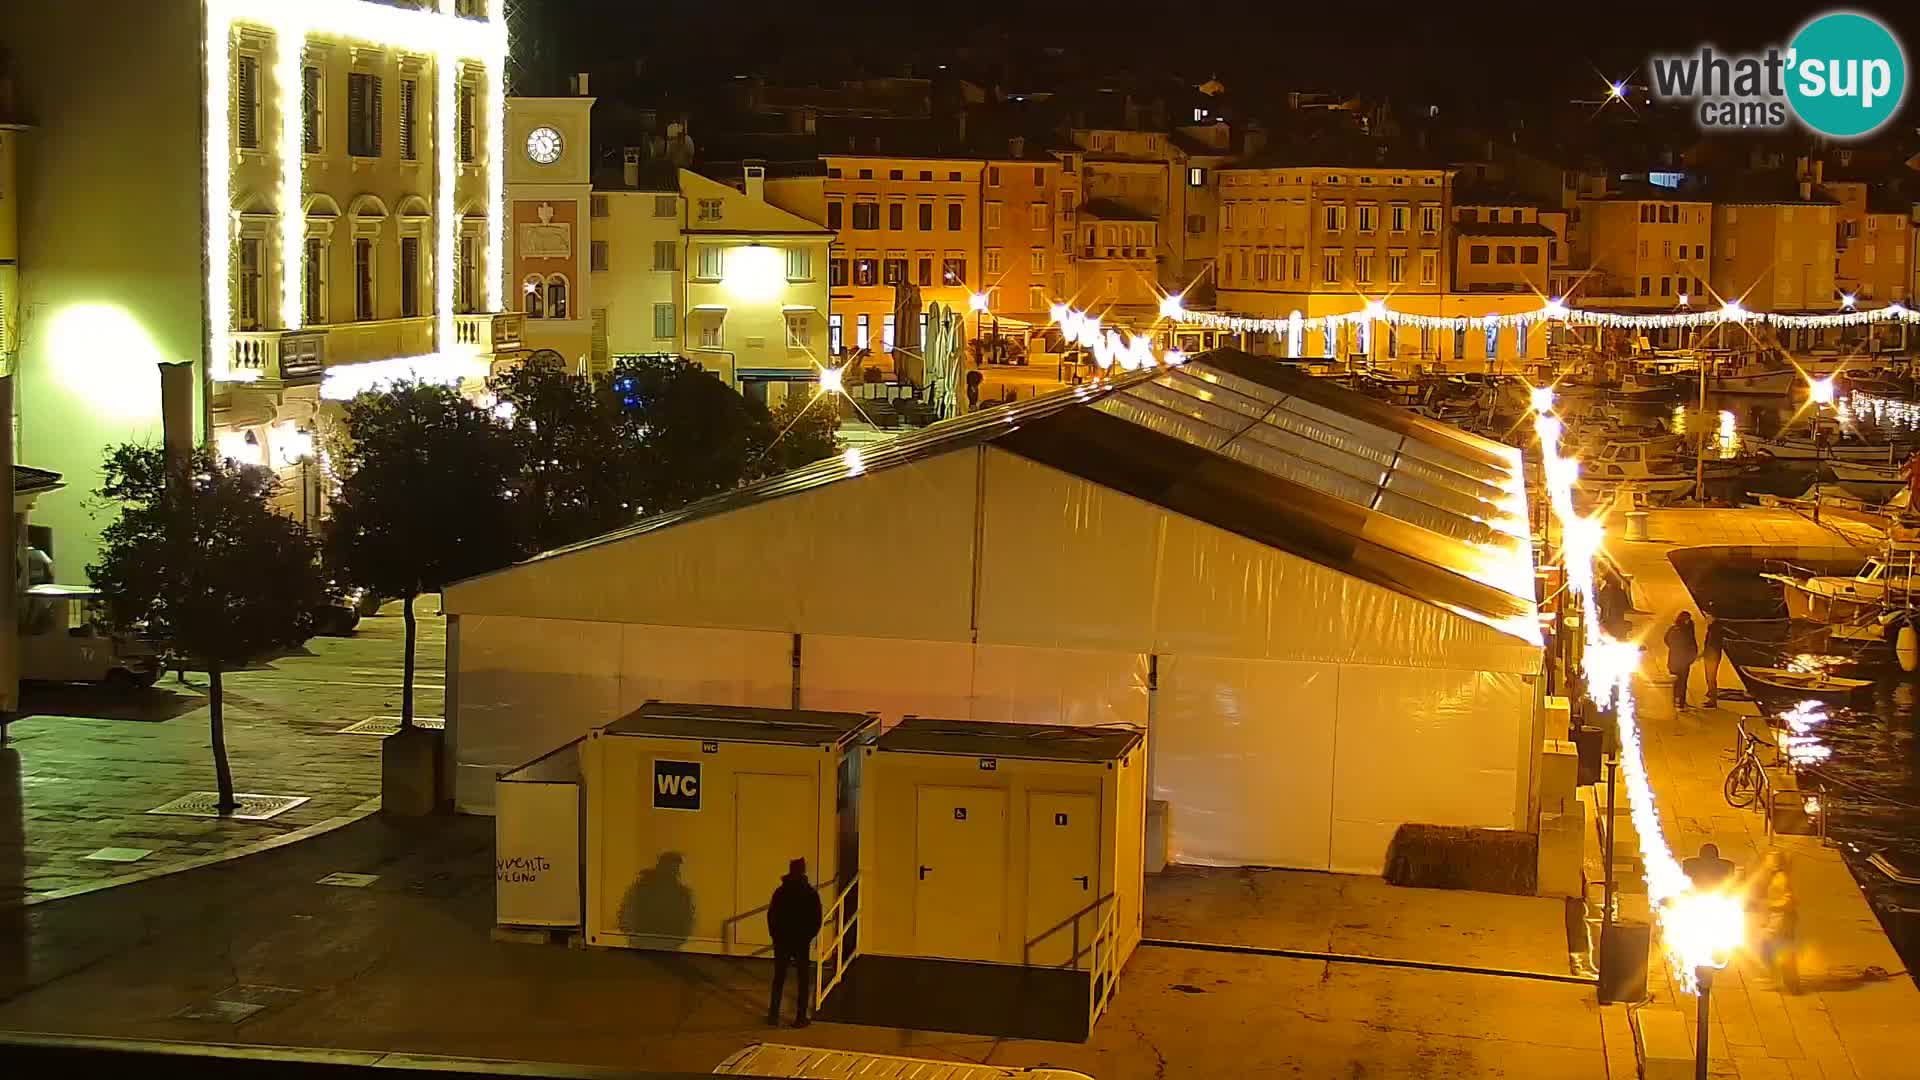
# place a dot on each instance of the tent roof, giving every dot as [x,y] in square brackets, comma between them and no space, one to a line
[730,723]
[986,738]
[1246,445]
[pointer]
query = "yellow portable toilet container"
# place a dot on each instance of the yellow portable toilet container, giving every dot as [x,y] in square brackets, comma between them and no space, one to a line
[1005,844]
[694,812]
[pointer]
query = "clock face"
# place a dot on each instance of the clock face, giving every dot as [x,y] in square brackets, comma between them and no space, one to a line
[543,145]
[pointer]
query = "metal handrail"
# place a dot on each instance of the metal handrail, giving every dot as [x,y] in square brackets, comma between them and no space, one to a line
[1101,971]
[838,922]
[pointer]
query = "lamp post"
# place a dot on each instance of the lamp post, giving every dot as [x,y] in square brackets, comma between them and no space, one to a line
[978,302]
[1704,974]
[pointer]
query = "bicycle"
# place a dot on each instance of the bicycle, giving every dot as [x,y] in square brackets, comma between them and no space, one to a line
[1748,775]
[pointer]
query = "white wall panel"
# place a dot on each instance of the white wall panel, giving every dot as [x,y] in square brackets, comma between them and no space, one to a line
[1422,745]
[1243,753]
[712,667]
[892,677]
[1076,687]
[525,687]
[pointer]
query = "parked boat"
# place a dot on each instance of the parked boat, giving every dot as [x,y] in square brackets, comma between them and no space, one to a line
[1831,598]
[1753,373]
[1817,683]
[1860,472]
[1844,447]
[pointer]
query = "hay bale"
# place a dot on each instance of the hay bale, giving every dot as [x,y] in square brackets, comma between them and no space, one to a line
[1456,857]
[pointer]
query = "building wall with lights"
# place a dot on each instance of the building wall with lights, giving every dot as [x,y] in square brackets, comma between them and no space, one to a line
[1642,253]
[1872,243]
[1027,257]
[550,237]
[289,196]
[1775,256]
[108,198]
[641,286]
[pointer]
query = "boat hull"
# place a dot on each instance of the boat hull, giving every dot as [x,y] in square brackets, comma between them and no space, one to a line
[1760,382]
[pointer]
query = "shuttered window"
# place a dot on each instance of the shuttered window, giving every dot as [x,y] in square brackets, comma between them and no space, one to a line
[466,122]
[363,114]
[246,101]
[409,99]
[310,98]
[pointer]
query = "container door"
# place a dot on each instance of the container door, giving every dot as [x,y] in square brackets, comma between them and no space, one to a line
[776,819]
[959,900]
[1063,878]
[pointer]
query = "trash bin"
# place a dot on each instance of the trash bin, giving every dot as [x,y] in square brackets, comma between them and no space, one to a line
[1637,525]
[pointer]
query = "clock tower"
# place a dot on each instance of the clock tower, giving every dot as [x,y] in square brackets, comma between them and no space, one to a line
[549,151]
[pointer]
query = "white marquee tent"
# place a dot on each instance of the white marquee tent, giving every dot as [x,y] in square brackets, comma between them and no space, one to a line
[1319,607]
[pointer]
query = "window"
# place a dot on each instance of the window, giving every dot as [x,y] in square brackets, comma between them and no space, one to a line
[557,297]
[363,295]
[663,255]
[597,253]
[467,281]
[1477,254]
[896,215]
[894,270]
[1196,177]
[713,335]
[1490,215]
[1520,344]
[1429,218]
[1429,268]
[862,327]
[1666,249]
[1196,224]
[248,312]
[866,174]
[1036,299]
[866,269]
[926,217]
[597,206]
[410,120]
[1643,249]
[310,105]
[713,262]
[886,331]
[1646,286]
[246,101]
[1530,254]
[1868,257]
[1037,217]
[926,174]
[410,277]
[953,217]
[1397,217]
[1646,212]
[663,321]
[799,264]
[1493,339]
[709,210]
[953,177]
[833,174]
[363,114]
[1330,266]
[953,270]
[993,261]
[834,329]
[836,272]
[833,216]
[1699,251]
[1336,217]
[665,206]
[993,215]
[1733,214]
[1037,261]
[468,104]
[798,336]
[896,175]
[536,297]
[1366,217]
[924,271]
[1666,286]
[1730,247]
[1505,256]
[1363,266]
[993,176]
[866,215]
[1459,342]
[1396,269]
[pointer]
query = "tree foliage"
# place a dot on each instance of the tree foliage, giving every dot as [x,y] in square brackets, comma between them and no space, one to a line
[802,429]
[199,563]
[577,451]
[691,434]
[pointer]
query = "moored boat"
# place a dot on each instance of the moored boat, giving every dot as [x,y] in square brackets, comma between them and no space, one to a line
[1817,683]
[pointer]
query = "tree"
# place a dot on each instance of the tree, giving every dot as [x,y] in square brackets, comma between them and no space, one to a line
[426,498]
[579,454]
[802,429]
[200,563]
[692,435]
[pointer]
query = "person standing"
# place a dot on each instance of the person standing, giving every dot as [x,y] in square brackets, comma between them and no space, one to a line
[1710,652]
[793,921]
[1683,648]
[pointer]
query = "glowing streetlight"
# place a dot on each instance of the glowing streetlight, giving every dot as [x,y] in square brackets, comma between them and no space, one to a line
[1685,299]
[1171,308]
[1541,398]
[1847,301]
[832,380]
[977,302]
[1732,311]
[1820,391]
[1617,90]
[1376,309]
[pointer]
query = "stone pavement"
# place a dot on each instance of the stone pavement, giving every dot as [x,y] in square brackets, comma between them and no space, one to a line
[1846,1023]
[84,766]
[255,951]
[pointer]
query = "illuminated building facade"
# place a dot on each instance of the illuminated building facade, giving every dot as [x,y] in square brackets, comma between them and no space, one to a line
[299,200]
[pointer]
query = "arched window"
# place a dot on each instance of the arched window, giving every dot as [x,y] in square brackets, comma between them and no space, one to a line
[557,296]
[534,297]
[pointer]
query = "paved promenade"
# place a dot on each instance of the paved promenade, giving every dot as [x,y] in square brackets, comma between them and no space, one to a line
[1850,1021]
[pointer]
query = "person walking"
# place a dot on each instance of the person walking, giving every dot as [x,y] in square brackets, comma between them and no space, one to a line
[793,921]
[1683,648]
[1715,644]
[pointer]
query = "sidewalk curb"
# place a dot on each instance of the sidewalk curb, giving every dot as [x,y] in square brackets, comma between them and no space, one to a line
[306,832]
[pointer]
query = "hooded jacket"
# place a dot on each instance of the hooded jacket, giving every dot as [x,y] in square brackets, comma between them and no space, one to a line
[793,915]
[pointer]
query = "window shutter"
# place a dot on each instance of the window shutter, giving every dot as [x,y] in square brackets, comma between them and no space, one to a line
[247,104]
[408,104]
[375,118]
[357,115]
[310,109]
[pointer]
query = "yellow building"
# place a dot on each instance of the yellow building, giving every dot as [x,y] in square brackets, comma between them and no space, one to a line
[298,200]
[1028,253]
[637,259]
[549,239]
[1644,249]
[755,285]
[1774,250]
[1872,236]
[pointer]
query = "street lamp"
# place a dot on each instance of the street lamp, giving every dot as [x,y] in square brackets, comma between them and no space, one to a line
[978,302]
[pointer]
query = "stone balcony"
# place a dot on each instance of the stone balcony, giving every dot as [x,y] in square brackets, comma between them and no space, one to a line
[305,354]
[491,333]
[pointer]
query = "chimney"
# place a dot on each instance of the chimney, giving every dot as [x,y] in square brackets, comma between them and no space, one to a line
[755,184]
[1819,173]
[1806,189]
[630,168]
[580,85]
[1017,147]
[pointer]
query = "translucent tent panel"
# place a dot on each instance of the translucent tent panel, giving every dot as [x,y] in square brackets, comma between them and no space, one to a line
[1072,687]
[890,676]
